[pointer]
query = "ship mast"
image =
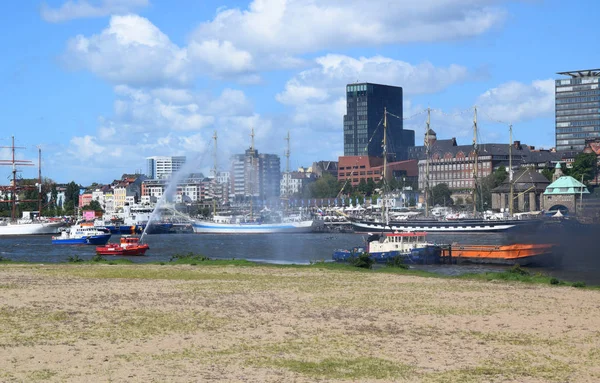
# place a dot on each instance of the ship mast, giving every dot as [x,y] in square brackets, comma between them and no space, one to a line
[510,172]
[13,187]
[39,181]
[287,170]
[215,175]
[384,172]
[252,174]
[475,170]
[427,149]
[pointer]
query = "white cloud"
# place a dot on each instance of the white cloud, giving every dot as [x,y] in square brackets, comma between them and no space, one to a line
[133,51]
[130,51]
[300,26]
[318,94]
[514,101]
[74,9]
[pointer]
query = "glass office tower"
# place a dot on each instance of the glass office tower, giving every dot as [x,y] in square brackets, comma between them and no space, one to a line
[363,130]
[577,110]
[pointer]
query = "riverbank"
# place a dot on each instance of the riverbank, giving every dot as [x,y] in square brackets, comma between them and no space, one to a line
[180,323]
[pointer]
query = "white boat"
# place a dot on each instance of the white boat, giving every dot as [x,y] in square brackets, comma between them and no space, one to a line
[28,224]
[233,225]
[81,234]
[29,227]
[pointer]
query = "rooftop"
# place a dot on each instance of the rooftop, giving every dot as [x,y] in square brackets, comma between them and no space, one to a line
[566,185]
[582,73]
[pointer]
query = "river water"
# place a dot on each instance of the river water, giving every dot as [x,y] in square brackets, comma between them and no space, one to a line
[579,259]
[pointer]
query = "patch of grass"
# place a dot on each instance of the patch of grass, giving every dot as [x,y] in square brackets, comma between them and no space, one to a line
[516,368]
[338,368]
[29,327]
[41,375]
[188,259]
[75,259]
[5,260]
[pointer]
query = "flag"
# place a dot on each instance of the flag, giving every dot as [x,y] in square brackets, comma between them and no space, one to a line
[320,211]
[336,202]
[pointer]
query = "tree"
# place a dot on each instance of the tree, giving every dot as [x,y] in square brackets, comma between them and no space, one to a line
[586,166]
[441,195]
[325,187]
[548,173]
[487,184]
[94,205]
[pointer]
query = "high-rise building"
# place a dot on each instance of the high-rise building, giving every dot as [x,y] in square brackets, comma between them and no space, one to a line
[363,122]
[255,175]
[163,167]
[577,110]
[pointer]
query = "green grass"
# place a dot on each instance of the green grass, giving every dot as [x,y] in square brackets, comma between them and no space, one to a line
[341,368]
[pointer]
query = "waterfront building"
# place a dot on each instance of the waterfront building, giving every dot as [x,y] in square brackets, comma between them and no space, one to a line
[577,110]
[255,175]
[189,189]
[163,167]
[527,189]
[454,164]
[294,182]
[363,121]
[322,167]
[564,195]
[353,169]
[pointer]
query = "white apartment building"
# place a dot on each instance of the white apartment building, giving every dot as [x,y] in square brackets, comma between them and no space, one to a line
[159,168]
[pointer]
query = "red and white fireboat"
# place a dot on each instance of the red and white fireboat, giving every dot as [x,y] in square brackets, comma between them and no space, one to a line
[129,245]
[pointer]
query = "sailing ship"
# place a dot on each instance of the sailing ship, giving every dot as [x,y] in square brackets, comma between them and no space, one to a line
[248,224]
[384,224]
[29,224]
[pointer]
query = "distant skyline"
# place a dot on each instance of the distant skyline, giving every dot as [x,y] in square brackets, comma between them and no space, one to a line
[100,85]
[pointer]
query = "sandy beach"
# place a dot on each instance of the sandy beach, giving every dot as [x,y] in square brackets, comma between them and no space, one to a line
[153,323]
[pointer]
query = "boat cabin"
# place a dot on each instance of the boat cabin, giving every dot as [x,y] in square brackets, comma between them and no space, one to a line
[397,240]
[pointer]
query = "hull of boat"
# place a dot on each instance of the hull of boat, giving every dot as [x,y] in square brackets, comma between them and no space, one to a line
[124,229]
[91,240]
[423,255]
[118,250]
[522,254]
[204,227]
[31,228]
[473,226]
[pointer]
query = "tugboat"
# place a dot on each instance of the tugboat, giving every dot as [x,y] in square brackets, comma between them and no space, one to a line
[411,247]
[129,245]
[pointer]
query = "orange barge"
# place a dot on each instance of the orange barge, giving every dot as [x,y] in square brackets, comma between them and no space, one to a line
[523,254]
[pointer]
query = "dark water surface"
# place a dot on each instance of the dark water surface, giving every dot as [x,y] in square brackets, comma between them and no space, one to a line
[579,258]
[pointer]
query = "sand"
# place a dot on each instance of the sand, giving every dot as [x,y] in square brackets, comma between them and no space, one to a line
[153,323]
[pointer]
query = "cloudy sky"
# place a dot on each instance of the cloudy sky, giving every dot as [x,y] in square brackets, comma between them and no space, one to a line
[101,84]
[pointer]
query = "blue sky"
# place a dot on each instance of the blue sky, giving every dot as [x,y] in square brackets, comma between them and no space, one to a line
[102,84]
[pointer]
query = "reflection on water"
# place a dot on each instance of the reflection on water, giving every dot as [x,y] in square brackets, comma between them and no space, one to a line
[578,258]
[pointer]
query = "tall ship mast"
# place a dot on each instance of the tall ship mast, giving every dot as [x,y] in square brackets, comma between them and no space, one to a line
[427,154]
[475,169]
[384,216]
[28,226]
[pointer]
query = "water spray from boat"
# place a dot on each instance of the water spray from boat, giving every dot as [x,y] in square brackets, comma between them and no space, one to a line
[170,191]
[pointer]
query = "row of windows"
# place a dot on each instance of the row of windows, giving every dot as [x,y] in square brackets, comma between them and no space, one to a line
[577,106]
[570,112]
[577,94]
[583,129]
[568,142]
[579,123]
[575,118]
[463,166]
[358,88]
[578,81]
[578,135]
[452,184]
[560,89]
[568,100]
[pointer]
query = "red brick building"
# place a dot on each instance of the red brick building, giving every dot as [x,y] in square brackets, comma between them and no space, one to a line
[355,168]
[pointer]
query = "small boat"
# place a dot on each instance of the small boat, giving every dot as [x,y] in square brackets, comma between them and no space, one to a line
[128,245]
[81,234]
[522,254]
[410,247]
